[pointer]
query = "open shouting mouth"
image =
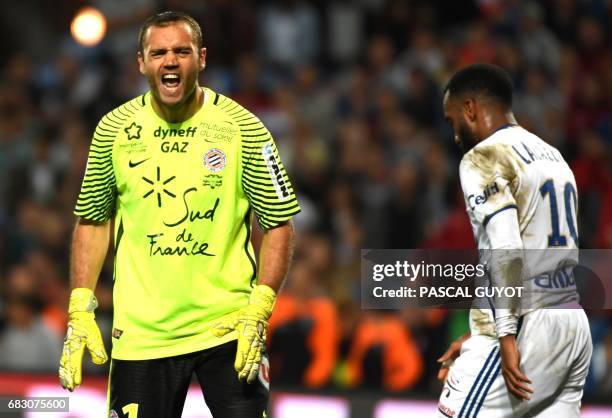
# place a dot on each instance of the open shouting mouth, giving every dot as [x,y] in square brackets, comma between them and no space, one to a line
[171,82]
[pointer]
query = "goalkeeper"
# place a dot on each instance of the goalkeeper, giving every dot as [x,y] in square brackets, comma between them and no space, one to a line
[180,170]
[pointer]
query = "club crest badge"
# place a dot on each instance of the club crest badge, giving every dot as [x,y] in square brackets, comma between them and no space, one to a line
[215,160]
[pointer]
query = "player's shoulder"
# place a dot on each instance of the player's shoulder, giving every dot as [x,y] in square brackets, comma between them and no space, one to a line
[495,152]
[231,108]
[125,113]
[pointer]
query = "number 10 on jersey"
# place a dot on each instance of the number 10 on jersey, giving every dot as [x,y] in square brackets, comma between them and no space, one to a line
[570,200]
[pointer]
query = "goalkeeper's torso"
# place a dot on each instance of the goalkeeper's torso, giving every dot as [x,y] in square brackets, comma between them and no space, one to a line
[182,227]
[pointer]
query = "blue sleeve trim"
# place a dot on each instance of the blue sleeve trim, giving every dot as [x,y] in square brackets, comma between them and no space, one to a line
[488,217]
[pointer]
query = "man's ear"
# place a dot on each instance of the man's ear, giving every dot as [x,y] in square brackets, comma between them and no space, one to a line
[469,109]
[202,58]
[141,66]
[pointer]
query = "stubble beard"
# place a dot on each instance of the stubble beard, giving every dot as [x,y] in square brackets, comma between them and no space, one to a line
[467,137]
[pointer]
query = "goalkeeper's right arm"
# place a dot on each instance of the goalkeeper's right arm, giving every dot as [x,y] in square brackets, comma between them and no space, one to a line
[89,247]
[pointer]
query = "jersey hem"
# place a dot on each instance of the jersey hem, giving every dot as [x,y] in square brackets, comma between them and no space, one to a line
[173,351]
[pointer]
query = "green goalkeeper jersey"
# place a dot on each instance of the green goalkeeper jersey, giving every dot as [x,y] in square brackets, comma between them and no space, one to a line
[182,196]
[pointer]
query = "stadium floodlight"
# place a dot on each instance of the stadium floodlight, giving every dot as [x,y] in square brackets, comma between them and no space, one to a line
[88,26]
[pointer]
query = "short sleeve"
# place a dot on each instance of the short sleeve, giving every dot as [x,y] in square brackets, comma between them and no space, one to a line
[264,178]
[97,198]
[487,179]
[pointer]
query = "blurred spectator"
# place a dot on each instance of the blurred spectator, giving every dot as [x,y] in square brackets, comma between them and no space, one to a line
[379,60]
[26,343]
[478,46]
[422,98]
[539,107]
[511,59]
[588,106]
[540,48]
[345,30]
[405,212]
[313,104]
[594,181]
[52,292]
[602,364]
[229,28]
[250,86]
[424,54]
[375,196]
[604,237]
[124,20]
[383,354]
[289,30]
[304,331]
[561,16]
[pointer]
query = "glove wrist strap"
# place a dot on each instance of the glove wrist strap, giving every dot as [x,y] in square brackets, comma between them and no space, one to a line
[264,297]
[82,299]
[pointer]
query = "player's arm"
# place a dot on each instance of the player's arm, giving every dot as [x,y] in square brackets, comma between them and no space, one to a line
[446,360]
[270,193]
[487,178]
[90,241]
[507,270]
[275,255]
[251,322]
[89,247]
[487,185]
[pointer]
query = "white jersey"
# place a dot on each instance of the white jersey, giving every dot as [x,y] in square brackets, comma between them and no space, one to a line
[514,170]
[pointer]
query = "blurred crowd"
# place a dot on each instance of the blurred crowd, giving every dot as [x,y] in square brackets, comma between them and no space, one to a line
[351,91]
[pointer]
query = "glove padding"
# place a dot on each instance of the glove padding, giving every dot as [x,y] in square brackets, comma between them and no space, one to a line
[82,331]
[251,323]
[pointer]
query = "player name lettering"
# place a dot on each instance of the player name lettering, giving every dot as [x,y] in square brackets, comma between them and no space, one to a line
[537,154]
[194,215]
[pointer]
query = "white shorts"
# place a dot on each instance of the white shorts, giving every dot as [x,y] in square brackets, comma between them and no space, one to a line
[555,347]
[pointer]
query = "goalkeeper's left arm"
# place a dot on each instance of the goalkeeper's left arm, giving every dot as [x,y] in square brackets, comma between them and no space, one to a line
[89,247]
[251,322]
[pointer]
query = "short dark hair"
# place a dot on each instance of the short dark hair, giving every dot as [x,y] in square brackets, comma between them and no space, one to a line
[168,18]
[486,80]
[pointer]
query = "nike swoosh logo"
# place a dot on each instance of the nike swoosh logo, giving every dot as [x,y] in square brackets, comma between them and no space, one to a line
[132,165]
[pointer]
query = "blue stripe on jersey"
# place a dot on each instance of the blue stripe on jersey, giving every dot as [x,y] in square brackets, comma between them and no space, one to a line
[487,218]
[486,365]
[484,395]
[495,374]
[486,383]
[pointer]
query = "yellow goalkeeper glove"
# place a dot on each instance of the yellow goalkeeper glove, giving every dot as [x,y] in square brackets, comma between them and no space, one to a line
[251,323]
[82,331]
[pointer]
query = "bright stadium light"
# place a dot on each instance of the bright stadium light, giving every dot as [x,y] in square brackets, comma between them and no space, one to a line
[88,26]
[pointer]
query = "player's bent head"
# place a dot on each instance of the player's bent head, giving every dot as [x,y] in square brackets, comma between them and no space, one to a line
[169,18]
[481,81]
